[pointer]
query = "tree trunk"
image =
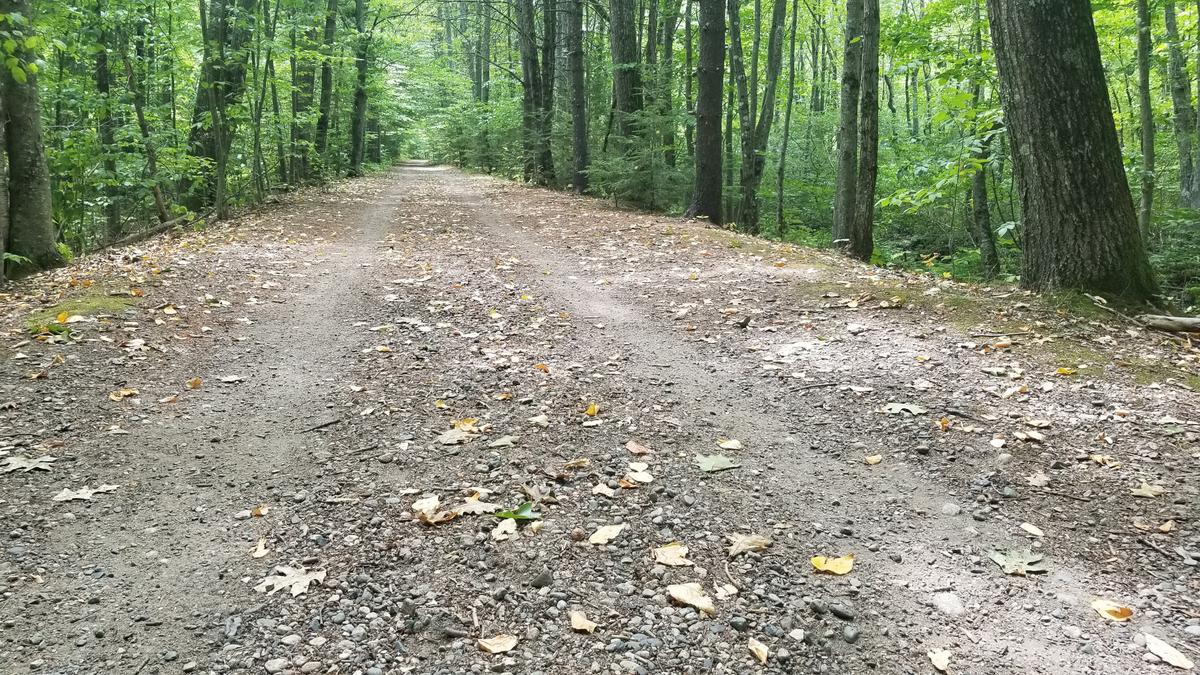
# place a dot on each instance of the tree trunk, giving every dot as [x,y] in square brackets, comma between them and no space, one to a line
[980,213]
[862,242]
[689,130]
[847,138]
[545,99]
[627,84]
[756,135]
[666,74]
[531,87]
[780,223]
[323,112]
[3,194]
[222,83]
[579,134]
[160,204]
[106,130]
[358,116]
[1145,116]
[706,197]
[30,215]
[1080,228]
[1181,102]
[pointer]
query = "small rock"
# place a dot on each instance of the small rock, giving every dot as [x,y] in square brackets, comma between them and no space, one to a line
[850,634]
[951,509]
[949,604]
[276,665]
[842,612]
[542,580]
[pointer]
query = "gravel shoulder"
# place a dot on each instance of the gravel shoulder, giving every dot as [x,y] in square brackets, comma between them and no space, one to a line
[427,332]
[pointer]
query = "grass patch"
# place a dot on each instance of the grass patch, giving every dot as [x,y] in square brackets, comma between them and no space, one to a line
[95,304]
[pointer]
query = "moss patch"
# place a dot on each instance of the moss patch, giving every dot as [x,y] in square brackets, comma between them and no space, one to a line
[94,304]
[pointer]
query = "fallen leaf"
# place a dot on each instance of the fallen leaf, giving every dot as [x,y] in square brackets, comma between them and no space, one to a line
[26,464]
[592,410]
[1167,526]
[505,529]
[230,379]
[1147,490]
[1105,460]
[1112,610]
[606,534]
[297,579]
[838,566]
[692,594]
[1038,479]
[260,550]
[636,448]
[503,442]
[897,408]
[498,644]
[759,650]
[539,421]
[1167,653]
[580,622]
[729,444]
[672,555]
[523,512]
[602,489]
[580,463]
[84,492]
[1032,529]
[195,383]
[1018,561]
[714,463]
[456,436]
[940,658]
[744,543]
[260,511]
[873,459]
[472,506]
[943,423]
[122,393]
[426,511]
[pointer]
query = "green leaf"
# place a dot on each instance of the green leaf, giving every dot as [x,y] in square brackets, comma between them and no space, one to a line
[18,74]
[713,463]
[523,512]
[1018,561]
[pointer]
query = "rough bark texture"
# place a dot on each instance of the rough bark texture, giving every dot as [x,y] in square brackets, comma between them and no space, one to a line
[980,213]
[1145,115]
[862,230]
[106,128]
[531,87]
[780,223]
[3,194]
[323,111]
[1181,102]
[30,216]
[627,82]
[845,200]
[358,114]
[1080,229]
[706,198]
[579,134]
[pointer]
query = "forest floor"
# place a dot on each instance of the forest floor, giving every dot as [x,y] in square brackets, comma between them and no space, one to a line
[268,399]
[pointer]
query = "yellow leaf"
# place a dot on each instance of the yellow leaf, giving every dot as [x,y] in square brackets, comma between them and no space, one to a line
[440,404]
[62,317]
[542,367]
[195,383]
[1066,371]
[672,555]
[498,644]
[1111,610]
[692,594]
[592,410]
[873,459]
[943,424]
[1105,460]
[122,393]
[759,650]
[169,309]
[838,566]
[606,534]
[1147,490]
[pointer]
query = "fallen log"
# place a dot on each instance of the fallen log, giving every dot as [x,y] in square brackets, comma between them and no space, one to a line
[1173,324]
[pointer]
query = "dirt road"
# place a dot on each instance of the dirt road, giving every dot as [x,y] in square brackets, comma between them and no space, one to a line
[280,391]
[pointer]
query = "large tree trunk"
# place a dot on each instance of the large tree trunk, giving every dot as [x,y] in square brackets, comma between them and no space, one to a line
[160,203]
[689,130]
[1145,115]
[980,213]
[222,83]
[1181,102]
[706,198]
[545,99]
[756,135]
[579,134]
[845,201]
[862,242]
[106,130]
[358,115]
[30,213]
[626,77]
[325,105]
[3,194]
[1080,229]
[531,88]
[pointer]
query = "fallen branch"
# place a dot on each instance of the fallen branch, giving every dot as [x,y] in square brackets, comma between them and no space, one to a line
[1171,324]
[156,230]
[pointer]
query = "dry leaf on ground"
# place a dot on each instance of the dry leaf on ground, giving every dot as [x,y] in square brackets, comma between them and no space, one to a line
[872,459]
[297,579]
[1112,610]
[84,492]
[26,464]
[1147,490]
[637,448]
[692,594]
[729,444]
[606,534]
[1032,529]
[673,555]
[505,529]
[940,658]
[838,566]
[759,650]
[261,549]
[744,543]
[580,622]
[498,644]
[714,463]
[1167,653]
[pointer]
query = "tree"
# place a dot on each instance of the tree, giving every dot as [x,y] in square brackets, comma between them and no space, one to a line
[706,197]
[1080,229]
[858,131]
[358,116]
[626,74]
[31,233]
[579,134]
[1145,115]
[1181,103]
[845,200]
[326,102]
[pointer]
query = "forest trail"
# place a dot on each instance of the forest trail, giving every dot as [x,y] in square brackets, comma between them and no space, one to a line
[428,332]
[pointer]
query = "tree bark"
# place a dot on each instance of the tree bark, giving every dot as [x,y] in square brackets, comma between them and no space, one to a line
[579,134]
[1181,102]
[756,134]
[160,203]
[531,88]
[30,216]
[980,213]
[1145,116]
[1080,228]
[689,130]
[358,115]
[626,77]
[862,242]
[3,193]
[706,197]
[545,100]
[323,111]
[845,200]
[106,129]
[780,223]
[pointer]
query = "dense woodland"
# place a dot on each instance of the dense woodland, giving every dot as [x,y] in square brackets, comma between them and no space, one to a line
[1057,143]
